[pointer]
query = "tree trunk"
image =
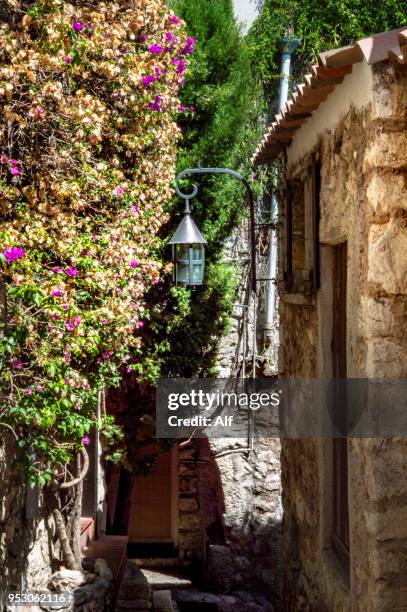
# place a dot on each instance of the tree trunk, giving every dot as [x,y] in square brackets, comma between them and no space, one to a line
[51,497]
[76,516]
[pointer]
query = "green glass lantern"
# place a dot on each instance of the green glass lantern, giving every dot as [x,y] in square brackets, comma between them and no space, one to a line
[188,252]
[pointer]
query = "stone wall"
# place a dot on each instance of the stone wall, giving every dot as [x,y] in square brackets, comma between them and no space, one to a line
[362,201]
[26,533]
[243,525]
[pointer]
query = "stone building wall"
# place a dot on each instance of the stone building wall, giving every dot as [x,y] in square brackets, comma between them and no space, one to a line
[363,201]
[25,542]
[245,552]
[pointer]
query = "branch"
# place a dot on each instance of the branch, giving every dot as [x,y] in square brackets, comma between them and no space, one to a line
[84,471]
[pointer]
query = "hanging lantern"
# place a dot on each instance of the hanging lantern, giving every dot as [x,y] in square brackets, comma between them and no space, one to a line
[188,252]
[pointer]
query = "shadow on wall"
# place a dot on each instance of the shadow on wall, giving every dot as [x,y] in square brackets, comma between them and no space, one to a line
[27,535]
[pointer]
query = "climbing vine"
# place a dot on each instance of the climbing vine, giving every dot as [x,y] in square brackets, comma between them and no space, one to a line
[88,136]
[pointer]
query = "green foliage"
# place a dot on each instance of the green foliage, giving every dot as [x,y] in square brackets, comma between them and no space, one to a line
[221,131]
[321,26]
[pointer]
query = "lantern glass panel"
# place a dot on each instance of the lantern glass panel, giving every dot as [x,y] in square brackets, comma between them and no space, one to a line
[183,275]
[197,273]
[183,252]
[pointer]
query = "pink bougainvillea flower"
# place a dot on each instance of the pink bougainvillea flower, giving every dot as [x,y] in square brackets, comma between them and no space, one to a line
[157,70]
[169,37]
[118,191]
[66,307]
[182,108]
[28,391]
[71,271]
[86,440]
[140,324]
[56,293]
[15,171]
[155,49]
[39,112]
[134,264]
[192,109]
[57,270]
[148,80]
[13,254]
[77,26]
[68,59]
[175,19]
[4,159]
[72,323]
[181,66]
[156,105]
[17,364]
[129,370]
[134,209]
[189,46]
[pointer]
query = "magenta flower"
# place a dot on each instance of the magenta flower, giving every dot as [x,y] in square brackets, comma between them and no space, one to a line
[86,440]
[17,364]
[175,19]
[181,65]
[156,105]
[134,264]
[140,324]
[77,26]
[15,171]
[68,59]
[148,80]
[28,391]
[57,270]
[192,109]
[72,323]
[169,37]
[66,307]
[189,46]
[182,108]
[155,49]
[134,209]
[71,271]
[13,254]
[119,191]
[4,159]
[56,293]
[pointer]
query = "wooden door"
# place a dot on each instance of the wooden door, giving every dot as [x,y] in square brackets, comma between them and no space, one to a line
[154,500]
[340,522]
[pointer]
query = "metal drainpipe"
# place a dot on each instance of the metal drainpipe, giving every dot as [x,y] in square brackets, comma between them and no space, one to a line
[287,47]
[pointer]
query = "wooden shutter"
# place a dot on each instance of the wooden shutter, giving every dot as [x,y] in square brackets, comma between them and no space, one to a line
[311,229]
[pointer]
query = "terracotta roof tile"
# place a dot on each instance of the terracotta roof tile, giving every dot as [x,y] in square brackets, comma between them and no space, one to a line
[331,69]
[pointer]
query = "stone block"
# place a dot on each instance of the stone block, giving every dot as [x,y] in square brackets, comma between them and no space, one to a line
[386,191]
[66,580]
[188,505]
[388,101]
[162,601]
[387,256]
[386,150]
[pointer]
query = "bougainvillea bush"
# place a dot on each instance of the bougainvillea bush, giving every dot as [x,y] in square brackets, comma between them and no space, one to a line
[88,137]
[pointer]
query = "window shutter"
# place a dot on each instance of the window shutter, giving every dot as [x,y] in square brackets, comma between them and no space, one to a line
[288,239]
[311,229]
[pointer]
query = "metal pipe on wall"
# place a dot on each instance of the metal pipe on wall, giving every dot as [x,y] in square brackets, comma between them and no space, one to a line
[287,47]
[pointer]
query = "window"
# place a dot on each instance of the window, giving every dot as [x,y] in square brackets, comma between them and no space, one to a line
[300,245]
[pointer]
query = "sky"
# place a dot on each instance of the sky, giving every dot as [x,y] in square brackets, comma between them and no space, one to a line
[246,11]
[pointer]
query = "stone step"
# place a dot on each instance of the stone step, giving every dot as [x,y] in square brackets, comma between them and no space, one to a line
[156,563]
[162,601]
